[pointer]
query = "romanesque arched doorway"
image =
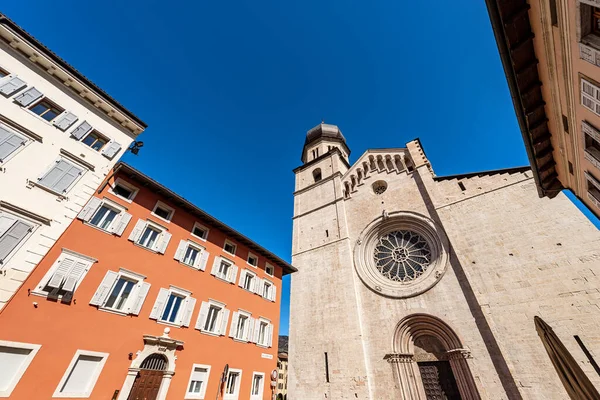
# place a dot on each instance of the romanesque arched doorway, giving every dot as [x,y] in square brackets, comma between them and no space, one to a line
[430,361]
[147,382]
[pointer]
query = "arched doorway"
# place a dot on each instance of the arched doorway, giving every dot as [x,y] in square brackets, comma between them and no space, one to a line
[430,361]
[147,382]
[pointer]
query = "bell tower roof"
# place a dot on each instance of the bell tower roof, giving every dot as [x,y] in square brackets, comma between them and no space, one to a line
[327,132]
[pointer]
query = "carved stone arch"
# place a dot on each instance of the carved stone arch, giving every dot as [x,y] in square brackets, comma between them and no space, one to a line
[399,163]
[366,168]
[420,335]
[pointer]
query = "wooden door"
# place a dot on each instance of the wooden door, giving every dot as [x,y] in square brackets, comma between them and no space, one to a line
[438,380]
[146,385]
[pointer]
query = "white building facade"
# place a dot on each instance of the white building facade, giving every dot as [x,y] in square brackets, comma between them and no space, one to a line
[412,286]
[59,137]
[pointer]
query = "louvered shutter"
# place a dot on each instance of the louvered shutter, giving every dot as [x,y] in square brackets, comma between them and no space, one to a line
[12,85]
[224,320]
[200,322]
[234,322]
[180,252]
[256,330]
[67,179]
[89,209]
[270,335]
[590,96]
[249,329]
[273,293]
[189,309]
[75,275]
[215,266]
[61,272]
[159,304]
[258,284]
[6,221]
[65,120]
[12,237]
[121,222]
[232,274]
[242,278]
[135,234]
[164,242]
[203,260]
[9,142]
[28,96]
[111,150]
[140,298]
[79,132]
[55,173]
[103,291]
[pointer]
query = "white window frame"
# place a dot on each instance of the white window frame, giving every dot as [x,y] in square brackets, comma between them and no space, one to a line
[228,262]
[248,316]
[261,390]
[39,289]
[259,321]
[125,273]
[125,184]
[27,139]
[157,227]
[236,392]
[56,161]
[21,371]
[269,296]
[269,266]
[28,108]
[177,291]
[200,226]
[252,255]
[227,241]
[254,279]
[94,380]
[164,206]
[110,204]
[196,246]
[31,222]
[202,394]
[218,323]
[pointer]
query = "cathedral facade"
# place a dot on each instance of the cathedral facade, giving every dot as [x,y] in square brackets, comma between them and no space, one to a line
[412,286]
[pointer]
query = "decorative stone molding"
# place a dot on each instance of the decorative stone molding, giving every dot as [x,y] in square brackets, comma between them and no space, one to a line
[389,222]
[395,358]
[458,353]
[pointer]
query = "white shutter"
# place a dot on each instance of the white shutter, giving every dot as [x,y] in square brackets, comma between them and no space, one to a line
[121,222]
[232,274]
[61,272]
[10,86]
[111,150]
[234,322]
[159,304]
[215,266]
[140,298]
[224,319]
[28,96]
[273,293]
[6,221]
[202,315]
[201,261]
[75,275]
[135,234]
[270,335]
[103,290]
[242,278]
[249,329]
[180,252]
[65,120]
[81,130]
[89,209]
[258,284]
[189,309]
[256,329]
[164,242]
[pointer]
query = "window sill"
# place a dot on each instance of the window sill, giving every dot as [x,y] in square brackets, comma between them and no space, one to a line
[193,397]
[99,229]
[60,197]
[146,248]
[168,221]
[113,311]
[223,279]
[239,340]
[28,111]
[198,237]
[209,333]
[263,346]
[169,323]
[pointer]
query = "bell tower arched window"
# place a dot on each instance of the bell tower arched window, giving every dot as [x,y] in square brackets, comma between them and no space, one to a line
[317,174]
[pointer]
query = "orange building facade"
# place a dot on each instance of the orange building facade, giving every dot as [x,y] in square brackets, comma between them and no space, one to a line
[144,296]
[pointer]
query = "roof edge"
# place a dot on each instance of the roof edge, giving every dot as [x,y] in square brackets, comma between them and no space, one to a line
[511,170]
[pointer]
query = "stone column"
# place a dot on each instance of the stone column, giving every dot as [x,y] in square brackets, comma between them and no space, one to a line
[128,384]
[164,386]
[404,367]
[462,374]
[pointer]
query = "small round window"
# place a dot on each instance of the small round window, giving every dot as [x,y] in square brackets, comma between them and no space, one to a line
[379,187]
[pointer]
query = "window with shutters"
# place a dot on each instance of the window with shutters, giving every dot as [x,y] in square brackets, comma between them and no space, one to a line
[61,176]
[150,235]
[248,280]
[173,306]
[232,385]
[252,260]
[10,143]
[81,375]
[229,247]
[198,382]
[14,232]
[200,231]
[46,109]
[163,211]
[590,96]
[268,290]
[242,326]
[124,190]
[258,383]
[105,215]
[191,254]
[213,318]
[65,275]
[263,333]
[15,358]
[224,270]
[269,269]
[122,292]
[95,140]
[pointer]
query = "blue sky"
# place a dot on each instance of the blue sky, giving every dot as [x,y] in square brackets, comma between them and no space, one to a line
[229,89]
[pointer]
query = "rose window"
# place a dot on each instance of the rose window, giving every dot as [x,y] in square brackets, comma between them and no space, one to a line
[402,256]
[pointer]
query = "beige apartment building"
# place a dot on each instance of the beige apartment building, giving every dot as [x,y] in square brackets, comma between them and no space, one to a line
[550,50]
